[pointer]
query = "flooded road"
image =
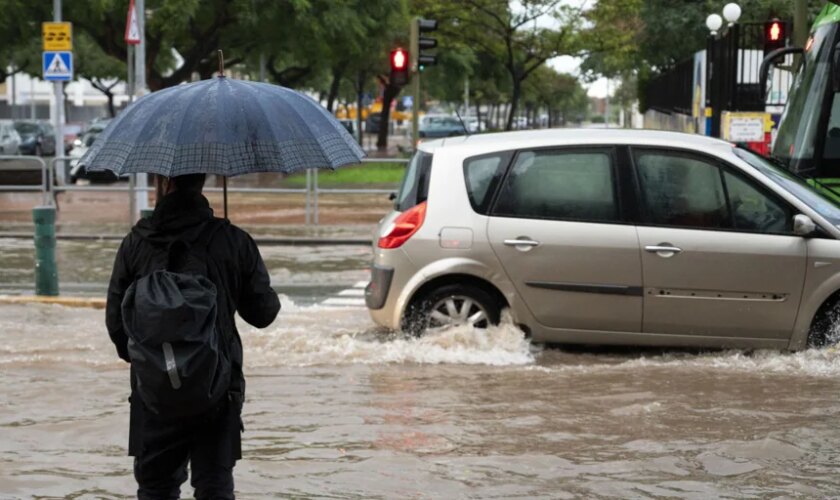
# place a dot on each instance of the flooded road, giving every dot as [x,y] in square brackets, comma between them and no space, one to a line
[339,409]
[336,409]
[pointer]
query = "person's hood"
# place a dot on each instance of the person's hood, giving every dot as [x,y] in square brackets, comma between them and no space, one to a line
[178,216]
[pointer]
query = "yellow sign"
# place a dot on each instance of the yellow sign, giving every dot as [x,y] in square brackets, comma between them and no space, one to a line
[58,36]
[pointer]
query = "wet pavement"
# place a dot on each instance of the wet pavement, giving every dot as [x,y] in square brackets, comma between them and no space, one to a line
[337,408]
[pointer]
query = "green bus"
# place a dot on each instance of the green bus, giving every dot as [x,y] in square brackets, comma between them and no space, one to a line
[808,135]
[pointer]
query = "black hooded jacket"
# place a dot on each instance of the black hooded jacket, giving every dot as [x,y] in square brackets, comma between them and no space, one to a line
[235,267]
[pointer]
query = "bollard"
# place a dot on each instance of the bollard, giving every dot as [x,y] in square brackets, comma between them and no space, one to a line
[146,213]
[46,272]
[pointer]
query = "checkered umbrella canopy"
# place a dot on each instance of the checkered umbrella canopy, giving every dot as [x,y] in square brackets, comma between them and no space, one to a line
[225,127]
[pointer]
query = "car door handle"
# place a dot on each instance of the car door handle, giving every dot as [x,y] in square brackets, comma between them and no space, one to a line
[663,249]
[522,243]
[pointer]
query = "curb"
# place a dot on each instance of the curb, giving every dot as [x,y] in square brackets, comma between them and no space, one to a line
[94,303]
[260,240]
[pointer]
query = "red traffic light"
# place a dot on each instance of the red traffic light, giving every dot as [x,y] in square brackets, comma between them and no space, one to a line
[399,60]
[775,36]
[775,32]
[399,67]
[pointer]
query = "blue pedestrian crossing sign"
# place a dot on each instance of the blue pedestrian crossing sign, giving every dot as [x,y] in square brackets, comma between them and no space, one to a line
[58,66]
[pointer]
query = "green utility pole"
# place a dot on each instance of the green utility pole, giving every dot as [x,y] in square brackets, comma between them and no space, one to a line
[414,74]
[46,272]
[800,23]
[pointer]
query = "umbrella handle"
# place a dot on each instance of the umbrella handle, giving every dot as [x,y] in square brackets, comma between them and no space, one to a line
[224,193]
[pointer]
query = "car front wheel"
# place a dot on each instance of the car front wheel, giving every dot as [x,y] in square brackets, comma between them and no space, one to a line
[825,329]
[452,305]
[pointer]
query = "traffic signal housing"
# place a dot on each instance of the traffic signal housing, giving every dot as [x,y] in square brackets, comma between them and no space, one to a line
[420,43]
[399,67]
[775,35]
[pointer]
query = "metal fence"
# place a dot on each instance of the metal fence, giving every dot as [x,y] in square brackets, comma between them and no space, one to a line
[50,189]
[732,80]
[672,91]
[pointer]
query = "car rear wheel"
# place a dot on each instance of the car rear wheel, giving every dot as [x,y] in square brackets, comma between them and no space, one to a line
[452,305]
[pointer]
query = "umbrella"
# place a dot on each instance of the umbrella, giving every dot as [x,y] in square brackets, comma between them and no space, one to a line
[225,127]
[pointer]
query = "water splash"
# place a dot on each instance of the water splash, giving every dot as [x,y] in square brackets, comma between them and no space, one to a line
[320,335]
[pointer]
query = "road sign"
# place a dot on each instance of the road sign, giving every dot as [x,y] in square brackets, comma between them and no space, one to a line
[58,66]
[57,36]
[132,28]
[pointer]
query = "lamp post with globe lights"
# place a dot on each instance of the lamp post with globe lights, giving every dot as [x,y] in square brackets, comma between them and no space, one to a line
[721,51]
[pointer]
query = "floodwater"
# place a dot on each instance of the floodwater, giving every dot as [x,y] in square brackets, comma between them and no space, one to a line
[339,409]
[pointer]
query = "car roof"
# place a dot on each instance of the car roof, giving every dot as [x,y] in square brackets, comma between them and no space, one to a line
[503,141]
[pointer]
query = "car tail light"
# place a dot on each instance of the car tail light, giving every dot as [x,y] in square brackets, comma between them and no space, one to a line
[403,227]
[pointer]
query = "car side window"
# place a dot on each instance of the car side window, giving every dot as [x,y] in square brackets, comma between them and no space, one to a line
[752,210]
[563,185]
[681,191]
[482,175]
[684,191]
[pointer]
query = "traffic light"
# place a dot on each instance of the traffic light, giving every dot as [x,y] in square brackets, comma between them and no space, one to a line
[399,67]
[775,35]
[420,43]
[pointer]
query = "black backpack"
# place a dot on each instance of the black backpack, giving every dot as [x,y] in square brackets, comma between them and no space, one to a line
[179,358]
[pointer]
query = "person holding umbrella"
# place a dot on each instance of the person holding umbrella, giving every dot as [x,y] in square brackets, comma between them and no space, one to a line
[181,275]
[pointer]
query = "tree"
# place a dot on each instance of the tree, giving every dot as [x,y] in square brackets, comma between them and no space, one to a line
[562,95]
[20,37]
[103,71]
[511,33]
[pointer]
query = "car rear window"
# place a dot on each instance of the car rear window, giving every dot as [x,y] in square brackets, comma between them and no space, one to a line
[415,184]
[482,175]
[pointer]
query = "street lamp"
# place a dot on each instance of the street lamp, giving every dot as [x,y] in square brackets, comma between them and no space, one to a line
[714,22]
[731,12]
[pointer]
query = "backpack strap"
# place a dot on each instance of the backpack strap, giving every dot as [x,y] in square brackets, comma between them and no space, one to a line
[179,250]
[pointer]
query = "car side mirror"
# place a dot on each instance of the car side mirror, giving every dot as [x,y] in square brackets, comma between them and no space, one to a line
[392,196]
[771,60]
[803,225]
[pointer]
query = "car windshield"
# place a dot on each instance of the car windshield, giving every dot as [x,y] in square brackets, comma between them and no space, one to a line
[797,186]
[796,140]
[24,128]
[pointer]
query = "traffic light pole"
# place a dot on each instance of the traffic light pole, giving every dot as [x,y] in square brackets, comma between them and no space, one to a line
[414,68]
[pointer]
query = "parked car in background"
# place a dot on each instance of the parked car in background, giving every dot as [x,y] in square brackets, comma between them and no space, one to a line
[37,137]
[72,132]
[372,123]
[434,126]
[9,138]
[609,237]
[77,172]
[349,125]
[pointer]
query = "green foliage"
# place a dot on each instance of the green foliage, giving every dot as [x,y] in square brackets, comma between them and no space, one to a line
[506,39]
[337,48]
[369,174]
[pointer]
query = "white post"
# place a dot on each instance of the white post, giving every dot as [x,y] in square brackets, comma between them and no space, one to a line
[58,116]
[467,99]
[607,106]
[14,97]
[32,97]
[142,196]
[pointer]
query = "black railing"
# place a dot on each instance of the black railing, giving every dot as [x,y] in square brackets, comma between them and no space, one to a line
[671,92]
[732,78]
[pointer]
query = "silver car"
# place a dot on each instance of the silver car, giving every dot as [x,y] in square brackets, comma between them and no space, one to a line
[609,237]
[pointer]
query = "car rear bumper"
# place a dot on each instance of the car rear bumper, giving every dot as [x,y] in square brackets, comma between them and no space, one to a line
[390,272]
[376,292]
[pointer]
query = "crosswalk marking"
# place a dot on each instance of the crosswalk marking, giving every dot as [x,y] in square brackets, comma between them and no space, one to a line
[349,297]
